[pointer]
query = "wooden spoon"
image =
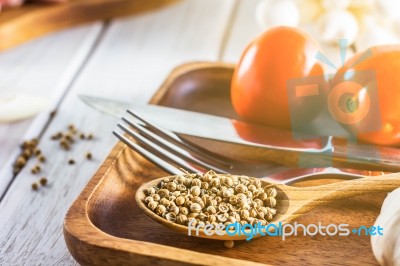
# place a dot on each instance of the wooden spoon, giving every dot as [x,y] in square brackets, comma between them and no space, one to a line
[292,202]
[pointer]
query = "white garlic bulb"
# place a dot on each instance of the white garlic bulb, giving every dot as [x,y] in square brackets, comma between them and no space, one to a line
[386,248]
[388,8]
[335,4]
[20,106]
[271,13]
[309,10]
[374,34]
[396,27]
[364,4]
[337,24]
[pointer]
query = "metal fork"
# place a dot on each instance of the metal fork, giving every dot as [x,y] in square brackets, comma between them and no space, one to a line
[175,155]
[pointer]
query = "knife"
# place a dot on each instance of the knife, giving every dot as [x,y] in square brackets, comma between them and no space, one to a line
[274,141]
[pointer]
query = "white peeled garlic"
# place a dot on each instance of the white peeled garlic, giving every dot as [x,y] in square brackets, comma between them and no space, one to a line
[396,26]
[374,34]
[20,106]
[309,10]
[386,248]
[388,8]
[335,4]
[337,24]
[272,13]
[363,4]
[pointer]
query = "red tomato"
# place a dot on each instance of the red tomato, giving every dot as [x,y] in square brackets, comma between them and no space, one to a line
[373,102]
[259,84]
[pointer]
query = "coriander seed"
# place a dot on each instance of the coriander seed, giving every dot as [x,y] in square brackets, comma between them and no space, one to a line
[212,199]
[35,186]
[229,243]
[271,192]
[20,162]
[42,159]
[152,205]
[180,200]
[43,181]
[181,219]
[170,217]
[89,156]
[195,207]
[270,202]
[26,154]
[195,190]
[183,210]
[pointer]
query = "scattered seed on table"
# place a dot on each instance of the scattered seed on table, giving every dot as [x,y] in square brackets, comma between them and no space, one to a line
[82,136]
[57,136]
[27,154]
[34,142]
[37,152]
[35,186]
[20,162]
[90,136]
[89,156]
[36,169]
[71,161]
[43,181]
[53,113]
[229,244]
[65,145]
[16,170]
[69,138]
[42,159]
[72,129]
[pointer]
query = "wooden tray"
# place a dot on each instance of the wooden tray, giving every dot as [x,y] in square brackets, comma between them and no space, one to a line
[105,226]
[18,25]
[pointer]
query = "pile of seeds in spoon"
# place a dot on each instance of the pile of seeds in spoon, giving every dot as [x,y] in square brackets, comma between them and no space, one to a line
[212,198]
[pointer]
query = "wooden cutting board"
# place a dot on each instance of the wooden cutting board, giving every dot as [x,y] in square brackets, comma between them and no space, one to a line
[105,225]
[19,25]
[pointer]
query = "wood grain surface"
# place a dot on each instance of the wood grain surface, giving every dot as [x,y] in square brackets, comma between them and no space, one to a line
[129,60]
[32,75]
[107,206]
[22,24]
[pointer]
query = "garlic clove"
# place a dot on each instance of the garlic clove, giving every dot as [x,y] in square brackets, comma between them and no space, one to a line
[337,24]
[396,27]
[271,13]
[373,34]
[391,203]
[388,8]
[363,4]
[386,248]
[309,10]
[335,4]
[20,106]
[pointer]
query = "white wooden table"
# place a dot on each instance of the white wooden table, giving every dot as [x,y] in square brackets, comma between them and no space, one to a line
[125,59]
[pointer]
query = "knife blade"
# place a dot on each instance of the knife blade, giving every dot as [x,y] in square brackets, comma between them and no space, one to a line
[253,135]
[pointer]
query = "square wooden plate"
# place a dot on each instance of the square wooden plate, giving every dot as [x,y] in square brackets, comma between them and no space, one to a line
[105,226]
[32,20]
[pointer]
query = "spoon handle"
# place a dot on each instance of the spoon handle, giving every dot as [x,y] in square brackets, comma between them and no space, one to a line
[370,184]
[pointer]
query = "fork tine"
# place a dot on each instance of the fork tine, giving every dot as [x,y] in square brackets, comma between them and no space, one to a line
[171,147]
[169,168]
[164,153]
[172,136]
